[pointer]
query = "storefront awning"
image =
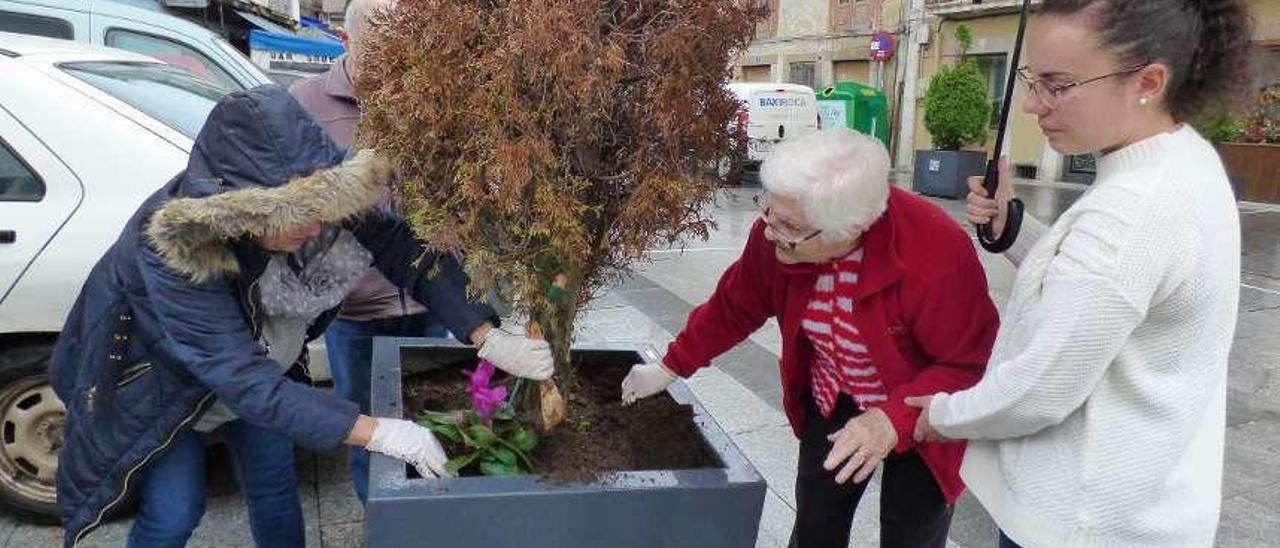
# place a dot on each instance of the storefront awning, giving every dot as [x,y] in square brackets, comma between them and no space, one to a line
[260,40]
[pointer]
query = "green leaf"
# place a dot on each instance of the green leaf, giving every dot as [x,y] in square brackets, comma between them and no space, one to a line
[506,456]
[494,467]
[524,439]
[449,431]
[438,417]
[504,413]
[459,462]
[481,435]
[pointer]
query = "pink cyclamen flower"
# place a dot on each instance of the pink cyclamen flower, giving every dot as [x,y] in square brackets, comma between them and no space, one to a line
[485,399]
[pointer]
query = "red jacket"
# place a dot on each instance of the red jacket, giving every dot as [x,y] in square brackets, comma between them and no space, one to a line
[922,308]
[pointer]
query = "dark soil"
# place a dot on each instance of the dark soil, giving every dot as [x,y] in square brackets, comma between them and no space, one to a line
[600,434]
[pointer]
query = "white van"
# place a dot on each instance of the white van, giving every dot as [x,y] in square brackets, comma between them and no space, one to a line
[773,113]
[149,31]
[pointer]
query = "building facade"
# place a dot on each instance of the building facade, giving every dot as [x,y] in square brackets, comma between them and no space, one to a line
[994,24]
[820,42]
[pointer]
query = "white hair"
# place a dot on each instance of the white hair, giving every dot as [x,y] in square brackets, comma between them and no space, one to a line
[840,178]
[357,16]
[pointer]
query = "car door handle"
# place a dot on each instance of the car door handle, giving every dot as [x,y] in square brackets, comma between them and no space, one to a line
[8,236]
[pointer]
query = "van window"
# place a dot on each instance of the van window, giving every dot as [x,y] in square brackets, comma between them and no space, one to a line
[36,25]
[18,183]
[166,93]
[174,53]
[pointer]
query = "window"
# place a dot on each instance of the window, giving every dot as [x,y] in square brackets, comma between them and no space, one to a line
[996,69]
[801,73]
[1267,63]
[18,183]
[36,25]
[178,55]
[1080,168]
[168,94]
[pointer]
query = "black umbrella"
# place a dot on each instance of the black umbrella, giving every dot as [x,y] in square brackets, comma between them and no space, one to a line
[992,178]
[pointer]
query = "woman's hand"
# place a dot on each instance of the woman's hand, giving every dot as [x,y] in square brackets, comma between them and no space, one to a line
[924,431]
[981,209]
[860,446]
[409,442]
[519,356]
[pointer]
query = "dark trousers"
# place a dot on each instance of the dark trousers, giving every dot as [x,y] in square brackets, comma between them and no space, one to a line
[913,512]
[172,489]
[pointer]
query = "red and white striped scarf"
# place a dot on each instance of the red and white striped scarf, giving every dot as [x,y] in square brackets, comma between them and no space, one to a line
[841,363]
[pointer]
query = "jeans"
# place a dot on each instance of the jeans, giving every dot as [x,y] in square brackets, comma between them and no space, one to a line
[172,489]
[913,512]
[350,348]
[1006,542]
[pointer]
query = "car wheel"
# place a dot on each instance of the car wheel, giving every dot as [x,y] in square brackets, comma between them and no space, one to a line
[31,421]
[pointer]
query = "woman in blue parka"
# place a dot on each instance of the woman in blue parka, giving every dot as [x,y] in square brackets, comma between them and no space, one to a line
[197,318]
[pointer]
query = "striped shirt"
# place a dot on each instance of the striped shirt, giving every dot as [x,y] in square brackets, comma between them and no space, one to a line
[841,364]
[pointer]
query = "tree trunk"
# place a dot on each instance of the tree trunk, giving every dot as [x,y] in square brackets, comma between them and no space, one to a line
[547,406]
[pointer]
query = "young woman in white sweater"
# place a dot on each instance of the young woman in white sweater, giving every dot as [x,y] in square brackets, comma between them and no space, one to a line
[1100,418]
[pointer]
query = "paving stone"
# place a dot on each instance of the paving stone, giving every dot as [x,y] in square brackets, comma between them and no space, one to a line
[1268,496]
[1248,368]
[971,525]
[342,535]
[774,452]
[1248,524]
[7,524]
[775,522]
[1248,468]
[1261,434]
[736,408]
[338,503]
[1258,327]
[37,536]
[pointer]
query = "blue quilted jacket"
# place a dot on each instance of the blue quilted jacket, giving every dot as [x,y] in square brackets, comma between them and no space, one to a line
[168,320]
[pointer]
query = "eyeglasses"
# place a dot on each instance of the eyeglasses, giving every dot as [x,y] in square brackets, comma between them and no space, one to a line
[784,235]
[1051,94]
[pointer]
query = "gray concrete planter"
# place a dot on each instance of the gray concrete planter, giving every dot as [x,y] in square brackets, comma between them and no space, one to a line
[703,508]
[946,173]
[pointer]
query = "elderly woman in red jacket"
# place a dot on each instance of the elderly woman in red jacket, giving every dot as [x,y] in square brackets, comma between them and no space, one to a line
[880,296]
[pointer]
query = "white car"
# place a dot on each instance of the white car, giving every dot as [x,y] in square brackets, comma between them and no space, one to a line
[86,134]
[152,32]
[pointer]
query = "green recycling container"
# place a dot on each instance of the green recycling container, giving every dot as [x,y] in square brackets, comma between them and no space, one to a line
[856,106]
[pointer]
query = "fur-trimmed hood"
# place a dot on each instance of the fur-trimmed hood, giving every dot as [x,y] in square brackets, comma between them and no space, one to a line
[261,165]
[194,235]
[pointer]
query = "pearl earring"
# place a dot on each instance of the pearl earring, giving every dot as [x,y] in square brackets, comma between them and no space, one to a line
[1142,101]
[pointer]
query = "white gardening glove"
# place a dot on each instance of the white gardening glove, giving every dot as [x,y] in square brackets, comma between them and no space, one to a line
[411,443]
[519,356]
[645,380]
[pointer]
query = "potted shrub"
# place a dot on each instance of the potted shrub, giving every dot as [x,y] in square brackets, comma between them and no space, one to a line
[716,506]
[1250,147]
[957,113]
[555,142]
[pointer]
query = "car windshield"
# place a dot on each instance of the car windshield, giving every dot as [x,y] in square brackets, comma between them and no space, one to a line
[169,94]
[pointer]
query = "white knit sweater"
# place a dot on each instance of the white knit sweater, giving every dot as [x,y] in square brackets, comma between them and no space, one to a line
[1100,419]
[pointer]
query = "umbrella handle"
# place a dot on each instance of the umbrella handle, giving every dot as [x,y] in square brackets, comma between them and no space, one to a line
[1013,215]
[991,181]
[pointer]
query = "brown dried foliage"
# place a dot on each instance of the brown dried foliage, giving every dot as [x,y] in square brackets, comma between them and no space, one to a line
[547,137]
